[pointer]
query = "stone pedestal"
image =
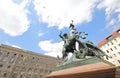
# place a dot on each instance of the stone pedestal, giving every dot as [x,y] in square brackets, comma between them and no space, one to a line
[94,70]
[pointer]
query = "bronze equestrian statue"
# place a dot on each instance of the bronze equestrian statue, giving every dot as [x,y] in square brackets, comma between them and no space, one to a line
[84,48]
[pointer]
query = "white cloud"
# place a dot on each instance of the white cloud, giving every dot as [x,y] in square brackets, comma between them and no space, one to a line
[112,22]
[112,9]
[40,34]
[61,12]
[8,43]
[51,49]
[16,46]
[13,17]
[119,17]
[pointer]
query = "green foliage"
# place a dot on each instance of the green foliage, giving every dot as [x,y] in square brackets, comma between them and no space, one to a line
[118,67]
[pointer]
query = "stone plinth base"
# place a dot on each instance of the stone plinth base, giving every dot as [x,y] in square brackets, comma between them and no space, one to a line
[95,70]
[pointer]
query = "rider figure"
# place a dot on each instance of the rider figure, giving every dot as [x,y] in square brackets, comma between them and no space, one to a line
[66,43]
[69,41]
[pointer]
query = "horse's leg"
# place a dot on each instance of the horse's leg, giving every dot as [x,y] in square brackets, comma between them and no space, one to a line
[64,53]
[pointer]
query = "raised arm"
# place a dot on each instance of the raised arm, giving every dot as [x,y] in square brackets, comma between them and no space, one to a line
[60,35]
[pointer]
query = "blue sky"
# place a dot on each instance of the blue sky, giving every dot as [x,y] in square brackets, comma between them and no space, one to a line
[34,25]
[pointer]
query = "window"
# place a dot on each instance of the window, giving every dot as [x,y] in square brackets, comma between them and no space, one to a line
[115,55]
[115,47]
[0,73]
[36,70]
[41,70]
[118,52]
[4,74]
[21,76]
[1,65]
[107,51]
[34,76]
[5,58]
[23,68]
[111,49]
[115,40]
[20,59]
[0,53]
[18,68]
[9,66]
[30,70]
[119,61]
[21,55]
[27,76]
[46,71]
[111,43]
[12,59]
[110,56]
[41,76]
[14,75]
[50,71]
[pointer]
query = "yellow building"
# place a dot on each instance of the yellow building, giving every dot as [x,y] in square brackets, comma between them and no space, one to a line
[111,46]
[18,63]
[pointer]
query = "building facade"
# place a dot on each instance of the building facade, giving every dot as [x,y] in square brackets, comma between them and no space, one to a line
[111,46]
[18,63]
